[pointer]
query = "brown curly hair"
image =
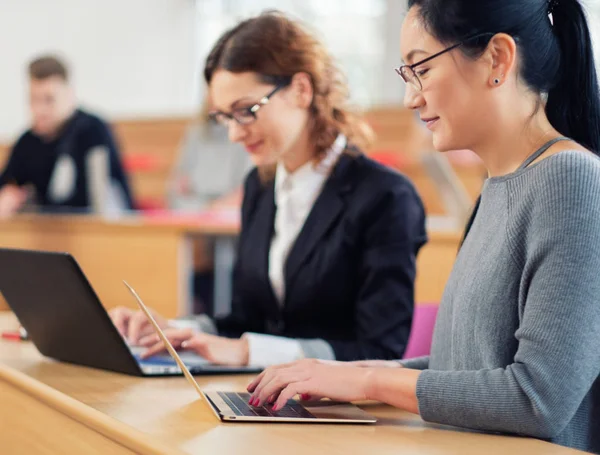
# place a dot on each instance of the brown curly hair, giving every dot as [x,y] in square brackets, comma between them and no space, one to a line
[277,47]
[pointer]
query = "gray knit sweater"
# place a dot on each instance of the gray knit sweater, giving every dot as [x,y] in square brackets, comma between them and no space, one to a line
[516,347]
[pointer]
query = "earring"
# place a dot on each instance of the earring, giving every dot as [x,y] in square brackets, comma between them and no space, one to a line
[496,81]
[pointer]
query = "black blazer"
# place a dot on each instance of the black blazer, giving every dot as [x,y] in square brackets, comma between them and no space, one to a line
[349,277]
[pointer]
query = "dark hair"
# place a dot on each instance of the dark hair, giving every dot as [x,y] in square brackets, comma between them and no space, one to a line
[555,57]
[48,66]
[276,47]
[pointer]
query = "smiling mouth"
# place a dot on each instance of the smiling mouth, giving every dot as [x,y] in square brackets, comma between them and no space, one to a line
[430,122]
[253,147]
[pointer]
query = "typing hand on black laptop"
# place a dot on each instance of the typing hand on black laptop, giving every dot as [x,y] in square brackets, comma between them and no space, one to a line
[133,325]
[215,349]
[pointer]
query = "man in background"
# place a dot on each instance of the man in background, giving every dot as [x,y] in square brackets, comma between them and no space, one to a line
[68,160]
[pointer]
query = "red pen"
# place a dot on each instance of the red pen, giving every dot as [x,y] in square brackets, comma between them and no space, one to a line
[15,335]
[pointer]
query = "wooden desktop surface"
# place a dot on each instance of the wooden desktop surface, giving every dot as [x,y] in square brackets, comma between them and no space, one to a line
[154,254]
[51,407]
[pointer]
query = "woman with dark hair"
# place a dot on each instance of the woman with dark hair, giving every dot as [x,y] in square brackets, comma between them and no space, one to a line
[326,258]
[516,342]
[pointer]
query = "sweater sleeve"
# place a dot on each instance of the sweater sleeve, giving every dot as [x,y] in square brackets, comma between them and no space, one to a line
[418,363]
[559,251]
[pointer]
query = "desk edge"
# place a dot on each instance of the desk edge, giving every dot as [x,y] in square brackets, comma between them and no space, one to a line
[110,428]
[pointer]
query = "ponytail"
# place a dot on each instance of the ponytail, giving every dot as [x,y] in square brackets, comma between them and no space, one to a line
[573,106]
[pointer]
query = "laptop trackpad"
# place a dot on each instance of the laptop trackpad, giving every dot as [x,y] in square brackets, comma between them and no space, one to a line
[338,411]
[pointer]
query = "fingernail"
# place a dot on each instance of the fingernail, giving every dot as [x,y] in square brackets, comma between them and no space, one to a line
[253,401]
[275,407]
[184,344]
[305,397]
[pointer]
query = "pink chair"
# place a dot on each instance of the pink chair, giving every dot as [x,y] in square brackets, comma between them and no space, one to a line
[143,163]
[419,341]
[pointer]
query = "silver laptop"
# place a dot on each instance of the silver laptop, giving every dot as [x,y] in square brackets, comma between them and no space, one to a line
[234,407]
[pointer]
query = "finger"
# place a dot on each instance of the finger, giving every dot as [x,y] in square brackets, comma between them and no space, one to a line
[204,349]
[279,382]
[146,330]
[195,341]
[154,349]
[289,392]
[198,342]
[136,323]
[265,378]
[175,336]
[252,386]
[159,347]
[258,379]
[120,319]
[149,340]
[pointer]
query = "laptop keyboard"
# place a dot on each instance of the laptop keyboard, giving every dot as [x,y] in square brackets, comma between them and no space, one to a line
[238,402]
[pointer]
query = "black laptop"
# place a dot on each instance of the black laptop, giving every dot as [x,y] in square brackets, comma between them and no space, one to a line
[64,318]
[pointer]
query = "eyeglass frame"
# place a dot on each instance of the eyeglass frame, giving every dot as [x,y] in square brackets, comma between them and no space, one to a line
[252,110]
[412,67]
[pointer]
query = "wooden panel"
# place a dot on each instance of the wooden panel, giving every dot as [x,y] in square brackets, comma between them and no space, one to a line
[154,261]
[150,185]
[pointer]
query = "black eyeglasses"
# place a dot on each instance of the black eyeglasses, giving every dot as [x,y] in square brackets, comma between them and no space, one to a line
[243,115]
[410,76]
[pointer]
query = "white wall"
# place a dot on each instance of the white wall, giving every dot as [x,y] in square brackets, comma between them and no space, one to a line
[129,58]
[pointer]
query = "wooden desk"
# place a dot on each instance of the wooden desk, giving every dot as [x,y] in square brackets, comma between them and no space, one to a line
[50,407]
[154,256]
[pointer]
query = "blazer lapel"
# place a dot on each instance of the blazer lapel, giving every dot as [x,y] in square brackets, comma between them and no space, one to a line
[327,209]
[261,235]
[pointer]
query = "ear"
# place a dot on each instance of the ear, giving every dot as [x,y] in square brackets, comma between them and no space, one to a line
[500,57]
[302,90]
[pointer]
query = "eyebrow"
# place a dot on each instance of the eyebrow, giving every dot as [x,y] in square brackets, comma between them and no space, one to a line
[411,54]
